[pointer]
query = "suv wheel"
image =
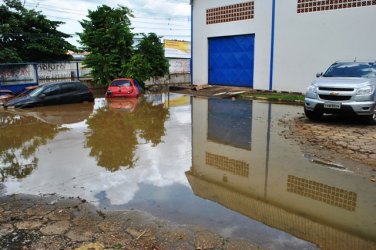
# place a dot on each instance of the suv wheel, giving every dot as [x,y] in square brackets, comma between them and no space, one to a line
[313,115]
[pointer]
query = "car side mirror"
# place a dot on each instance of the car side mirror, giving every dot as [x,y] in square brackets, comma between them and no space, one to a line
[319,74]
[42,96]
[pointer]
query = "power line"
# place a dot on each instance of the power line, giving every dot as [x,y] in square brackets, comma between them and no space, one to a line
[166,21]
[74,11]
[171,24]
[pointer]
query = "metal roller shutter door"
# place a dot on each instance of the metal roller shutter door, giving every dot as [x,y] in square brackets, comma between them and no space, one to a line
[231,60]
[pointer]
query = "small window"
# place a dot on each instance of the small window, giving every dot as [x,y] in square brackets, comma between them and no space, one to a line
[53,90]
[69,87]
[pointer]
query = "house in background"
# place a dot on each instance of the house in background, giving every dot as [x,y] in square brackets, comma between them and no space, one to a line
[277,44]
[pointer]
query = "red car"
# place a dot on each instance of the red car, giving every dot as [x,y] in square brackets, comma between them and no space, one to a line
[123,87]
[123,104]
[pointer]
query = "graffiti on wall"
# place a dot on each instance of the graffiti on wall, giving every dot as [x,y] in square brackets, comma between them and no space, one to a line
[47,71]
[12,73]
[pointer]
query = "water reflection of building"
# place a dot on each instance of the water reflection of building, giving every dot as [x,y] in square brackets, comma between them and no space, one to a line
[270,183]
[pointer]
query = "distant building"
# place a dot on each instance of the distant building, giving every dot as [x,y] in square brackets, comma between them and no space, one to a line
[178,54]
[78,56]
[277,44]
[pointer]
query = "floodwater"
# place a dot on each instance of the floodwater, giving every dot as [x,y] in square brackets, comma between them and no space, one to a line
[217,163]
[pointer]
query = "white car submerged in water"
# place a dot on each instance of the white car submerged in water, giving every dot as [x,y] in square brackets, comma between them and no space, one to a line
[346,87]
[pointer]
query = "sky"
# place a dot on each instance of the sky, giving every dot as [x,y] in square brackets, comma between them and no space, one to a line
[167,18]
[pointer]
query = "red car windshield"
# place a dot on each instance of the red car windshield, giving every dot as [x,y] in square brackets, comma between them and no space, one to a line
[121,83]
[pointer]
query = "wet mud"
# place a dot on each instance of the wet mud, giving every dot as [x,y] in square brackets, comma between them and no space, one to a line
[52,222]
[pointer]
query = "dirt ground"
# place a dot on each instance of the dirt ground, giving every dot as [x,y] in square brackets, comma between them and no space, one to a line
[51,222]
[337,141]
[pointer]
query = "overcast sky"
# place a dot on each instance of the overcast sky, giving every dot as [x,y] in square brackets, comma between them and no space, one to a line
[167,18]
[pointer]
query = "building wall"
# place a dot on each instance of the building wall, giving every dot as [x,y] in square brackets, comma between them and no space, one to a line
[179,65]
[307,43]
[306,40]
[257,26]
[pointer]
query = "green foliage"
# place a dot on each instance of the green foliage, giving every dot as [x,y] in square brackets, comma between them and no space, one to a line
[286,97]
[139,68]
[108,37]
[27,35]
[151,50]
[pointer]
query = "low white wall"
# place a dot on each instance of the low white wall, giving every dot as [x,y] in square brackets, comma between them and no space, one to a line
[13,73]
[170,79]
[178,66]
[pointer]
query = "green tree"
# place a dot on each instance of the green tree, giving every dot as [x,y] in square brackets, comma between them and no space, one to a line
[139,68]
[151,50]
[27,35]
[108,37]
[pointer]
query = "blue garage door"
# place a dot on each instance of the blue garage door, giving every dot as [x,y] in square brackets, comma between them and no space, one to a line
[231,60]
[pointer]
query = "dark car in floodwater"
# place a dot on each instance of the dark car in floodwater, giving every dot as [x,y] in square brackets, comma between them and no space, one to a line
[53,94]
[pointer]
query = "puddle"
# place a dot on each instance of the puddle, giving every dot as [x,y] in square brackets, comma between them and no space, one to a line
[213,162]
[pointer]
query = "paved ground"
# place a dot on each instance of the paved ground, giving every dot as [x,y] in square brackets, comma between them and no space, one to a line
[336,139]
[29,222]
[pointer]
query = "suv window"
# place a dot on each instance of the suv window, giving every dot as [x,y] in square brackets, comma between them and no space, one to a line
[52,90]
[69,87]
[351,70]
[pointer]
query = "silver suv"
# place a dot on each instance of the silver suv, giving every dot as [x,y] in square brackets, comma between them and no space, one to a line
[346,87]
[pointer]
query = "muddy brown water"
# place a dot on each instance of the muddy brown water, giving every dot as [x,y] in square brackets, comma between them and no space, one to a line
[218,163]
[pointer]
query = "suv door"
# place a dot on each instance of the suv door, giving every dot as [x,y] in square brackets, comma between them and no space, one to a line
[70,93]
[51,95]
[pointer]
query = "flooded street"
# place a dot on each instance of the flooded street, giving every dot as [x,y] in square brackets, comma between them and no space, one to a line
[217,163]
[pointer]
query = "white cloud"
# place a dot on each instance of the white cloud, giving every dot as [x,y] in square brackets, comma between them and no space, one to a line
[169,18]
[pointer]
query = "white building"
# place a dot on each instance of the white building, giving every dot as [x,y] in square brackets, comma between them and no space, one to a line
[278,44]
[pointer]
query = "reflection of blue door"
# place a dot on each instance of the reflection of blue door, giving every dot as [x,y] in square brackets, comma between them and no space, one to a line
[230,122]
[231,60]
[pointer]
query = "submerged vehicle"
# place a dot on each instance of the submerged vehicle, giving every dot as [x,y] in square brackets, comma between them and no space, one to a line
[123,87]
[6,95]
[123,104]
[52,94]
